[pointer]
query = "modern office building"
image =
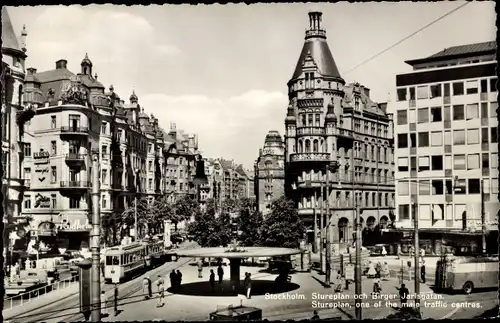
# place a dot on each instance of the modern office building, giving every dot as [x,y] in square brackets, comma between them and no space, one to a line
[270,172]
[331,124]
[447,148]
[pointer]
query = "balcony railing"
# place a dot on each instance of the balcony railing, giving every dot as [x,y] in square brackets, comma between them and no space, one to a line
[75,184]
[345,132]
[304,157]
[75,157]
[74,130]
[311,131]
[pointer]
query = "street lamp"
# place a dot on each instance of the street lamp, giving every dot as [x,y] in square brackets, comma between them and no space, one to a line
[95,242]
[332,166]
[136,235]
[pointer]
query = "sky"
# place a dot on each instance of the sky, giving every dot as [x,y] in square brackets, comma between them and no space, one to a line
[220,71]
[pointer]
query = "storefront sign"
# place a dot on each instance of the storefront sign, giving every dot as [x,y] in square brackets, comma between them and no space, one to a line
[42,201]
[74,227]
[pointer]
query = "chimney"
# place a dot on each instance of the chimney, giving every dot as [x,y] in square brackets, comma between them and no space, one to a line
[31,71]
[62,63]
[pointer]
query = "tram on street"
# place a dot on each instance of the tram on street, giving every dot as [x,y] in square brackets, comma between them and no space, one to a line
[466,273]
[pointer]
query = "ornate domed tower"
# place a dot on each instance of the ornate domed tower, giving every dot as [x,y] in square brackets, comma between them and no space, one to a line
[270,172]
[315,92]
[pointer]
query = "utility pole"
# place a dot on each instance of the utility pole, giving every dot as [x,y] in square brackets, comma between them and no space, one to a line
[95,242]
[136,233]
[358,286]
[416,255]
[483,220]
[322,232]
[315,226]
[328,232]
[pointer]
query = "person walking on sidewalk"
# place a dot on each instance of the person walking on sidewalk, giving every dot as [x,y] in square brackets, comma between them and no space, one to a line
[145,287]
[179,279]
[248,285]
[212,280]
[422,272]
[200,268]
[403,295]
[115,299]
[161,291]
[220,273]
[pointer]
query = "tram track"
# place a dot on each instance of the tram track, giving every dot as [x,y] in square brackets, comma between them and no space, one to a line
[67,309]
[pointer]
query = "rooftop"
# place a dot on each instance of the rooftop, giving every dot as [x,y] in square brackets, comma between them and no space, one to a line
[458,52]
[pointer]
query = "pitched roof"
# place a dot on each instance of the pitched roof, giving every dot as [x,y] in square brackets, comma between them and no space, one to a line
[458,51]
[322,56]
[9,39]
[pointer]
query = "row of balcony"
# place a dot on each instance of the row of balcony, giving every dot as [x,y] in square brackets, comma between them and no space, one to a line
[321,131]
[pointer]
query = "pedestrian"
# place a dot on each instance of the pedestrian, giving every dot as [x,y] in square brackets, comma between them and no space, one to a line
[179,279]
[338,283]
[376,287]
[249,286]
[104,304]
[220,273]
[212,280]
[422,272]
[371,270]
[315,316]
[115,298]
[145,287]
[173,280]
[200,268]
[399,251]
[384,252]
[403,295]
[161,290]
[385,271]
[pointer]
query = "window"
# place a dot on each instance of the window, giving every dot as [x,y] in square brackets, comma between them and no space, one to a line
[493,84]
[104,202]
[449,186]
[310,119]
[471,87]
[436,114]
[484,110]
[303,120]
[459,162]
[446,89]
[459,137]
[402,93]
[437,162]
[74,203]
[422,92]
[413,140]
[472,111]
[412,93]
[423,115]
[484,135]
[486,161]
[27,201]
[494,135]
[436,138]
[458,88]
[403,140]
[403,188]
[53,176]
[473,161]
[27,173]
[402,117]
[423,139]
[437,187]
[493,109]
[404,212]
[53,199]
[474,186]
[448,164]
[150,184]
[150,165]
[423,163]
[446,112]
[27,149]
[105,176]
[318,120]
[403,164]
[424,188]
[460,187]
[412,118]
[53,146]
[53,123]
[458,112]
[435,90]
[494,161]
[104,127]
[494,185]
[484,86]
[413,163]
[472,136]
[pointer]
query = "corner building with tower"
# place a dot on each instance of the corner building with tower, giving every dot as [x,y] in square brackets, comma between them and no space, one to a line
[336,125]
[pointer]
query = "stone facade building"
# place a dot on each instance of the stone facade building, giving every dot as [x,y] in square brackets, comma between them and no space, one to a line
[447,148]
[270,172]
[333,124]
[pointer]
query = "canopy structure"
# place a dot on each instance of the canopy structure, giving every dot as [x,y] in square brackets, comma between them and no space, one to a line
[235,255]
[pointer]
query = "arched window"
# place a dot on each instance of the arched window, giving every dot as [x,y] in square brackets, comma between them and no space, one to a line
[322,146]
[303,120]
[20,98]
[318,120]
[386,158]
[366,152]
[301,146]
[386,199]
[374,199]
[373,153]
[308,146]
[315,146]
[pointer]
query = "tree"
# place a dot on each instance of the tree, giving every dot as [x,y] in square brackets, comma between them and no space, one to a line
[128,216]
[230,205]
[160,211]
[209,231]
[283,226]
[184,209]
[249,224]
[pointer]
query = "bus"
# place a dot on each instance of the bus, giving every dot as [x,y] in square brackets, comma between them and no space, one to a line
[466,273]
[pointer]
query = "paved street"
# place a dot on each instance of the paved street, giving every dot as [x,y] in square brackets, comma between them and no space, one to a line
[295,303]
